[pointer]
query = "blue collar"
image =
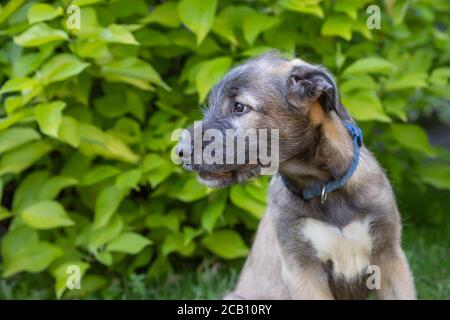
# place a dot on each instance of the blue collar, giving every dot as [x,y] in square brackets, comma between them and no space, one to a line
[323,190]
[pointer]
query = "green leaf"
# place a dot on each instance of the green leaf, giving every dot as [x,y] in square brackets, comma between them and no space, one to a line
[21,158]
[15,137]
[38,35]
[214,209]
[229,20]
[198,16]
[8,10]
[14,118]
[128,130]
[53,186]
[99,237]
[112,105]
[29,62]
[128,242]
[98,174]
[407,81]
[349,7]
[170,221]
[26,194]
[61,67]
[122,8]
[436,175]
[308,7]
[440,76]
[226,243]
[362,82]
[174,242]
[370,65]
[412,137]
[133,71]
[68,131]
[104,257]
[242,199]
[256,23]
[151,162]
[209,73]
[34,258]
[365,105]
[46,214]
[16,102]
[22,251]
[116,33]
[256,51]
[106,205]
[21,84]
[165,14]
[398,11]
[396,106]
[160,268]
[257,190]
[16,239]
[48,116]
[129,180]
[42,12]
[152,38]
[338,25]
[192,190]
[157,175]
[95,141]
[4,214]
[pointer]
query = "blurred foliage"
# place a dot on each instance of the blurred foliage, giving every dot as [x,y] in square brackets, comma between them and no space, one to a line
[87,117]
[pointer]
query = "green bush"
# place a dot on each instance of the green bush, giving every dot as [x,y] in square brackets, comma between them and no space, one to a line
[87,117]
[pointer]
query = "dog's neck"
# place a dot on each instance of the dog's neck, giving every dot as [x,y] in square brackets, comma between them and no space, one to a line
[331,158]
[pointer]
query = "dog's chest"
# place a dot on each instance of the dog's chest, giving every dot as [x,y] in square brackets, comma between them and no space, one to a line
[347,248]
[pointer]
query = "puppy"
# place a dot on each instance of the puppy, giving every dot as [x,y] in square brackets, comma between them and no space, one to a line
[332,223]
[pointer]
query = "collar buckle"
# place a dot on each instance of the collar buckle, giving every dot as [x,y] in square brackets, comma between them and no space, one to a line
[323,196]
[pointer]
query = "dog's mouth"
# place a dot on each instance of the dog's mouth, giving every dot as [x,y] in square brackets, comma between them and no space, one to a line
[222,179]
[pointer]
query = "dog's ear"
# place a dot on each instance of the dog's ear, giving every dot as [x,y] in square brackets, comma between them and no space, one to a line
[309,84]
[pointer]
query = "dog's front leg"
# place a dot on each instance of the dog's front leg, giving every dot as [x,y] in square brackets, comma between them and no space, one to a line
[306,283]
[396,278]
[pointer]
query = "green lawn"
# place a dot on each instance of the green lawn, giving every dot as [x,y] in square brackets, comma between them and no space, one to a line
[427,250]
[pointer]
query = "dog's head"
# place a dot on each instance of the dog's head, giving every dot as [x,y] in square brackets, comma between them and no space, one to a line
[284,102]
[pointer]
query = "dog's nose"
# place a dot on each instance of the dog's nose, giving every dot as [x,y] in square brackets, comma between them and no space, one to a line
[184,148]
[179,151]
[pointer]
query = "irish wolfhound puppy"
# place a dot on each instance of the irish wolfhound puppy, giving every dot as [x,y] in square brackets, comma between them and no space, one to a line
[332,222]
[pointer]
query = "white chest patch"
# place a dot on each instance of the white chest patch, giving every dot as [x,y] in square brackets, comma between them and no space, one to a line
[348,248]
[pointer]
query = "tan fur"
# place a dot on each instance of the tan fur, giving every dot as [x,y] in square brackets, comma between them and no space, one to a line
[337,140]
[261,276]
[306,283]
[396,277]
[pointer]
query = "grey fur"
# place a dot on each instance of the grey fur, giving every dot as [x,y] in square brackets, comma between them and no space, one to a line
[302,101]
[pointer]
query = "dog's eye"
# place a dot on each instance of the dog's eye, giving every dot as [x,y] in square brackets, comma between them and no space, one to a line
[240,108]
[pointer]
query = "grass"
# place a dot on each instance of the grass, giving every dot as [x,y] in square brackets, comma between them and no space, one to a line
[427,250]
